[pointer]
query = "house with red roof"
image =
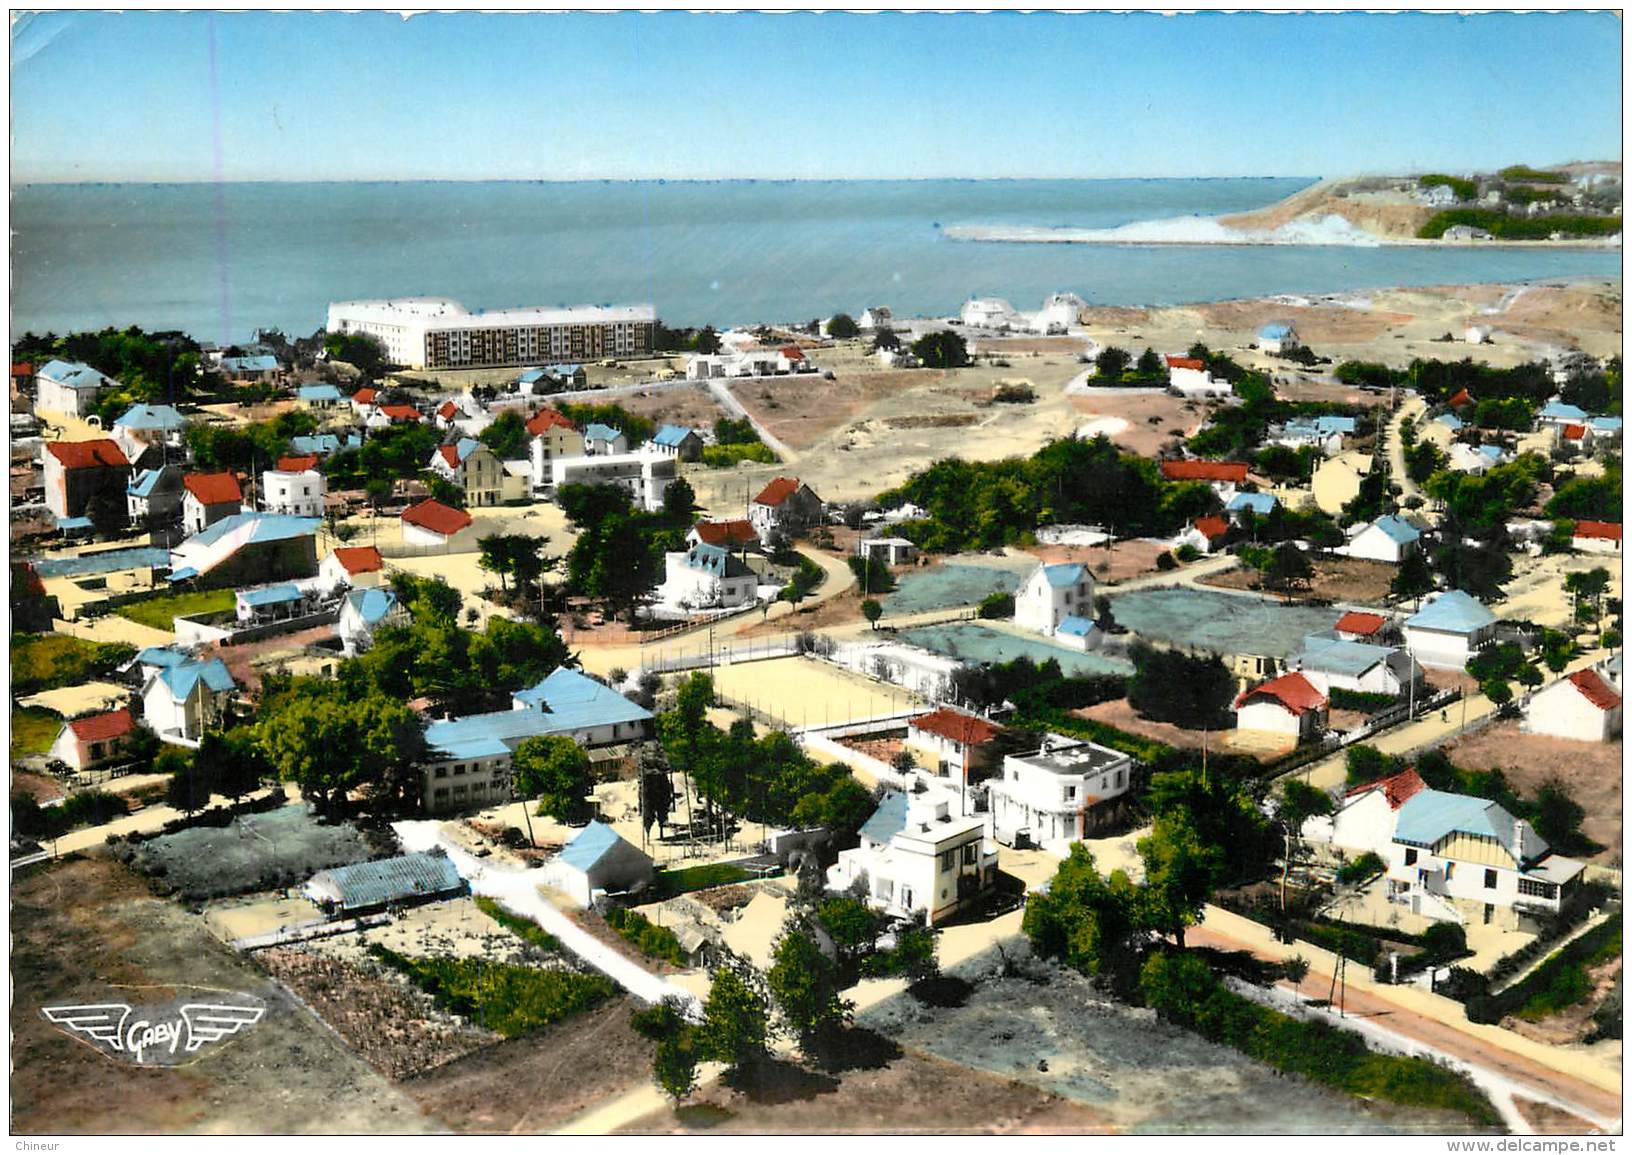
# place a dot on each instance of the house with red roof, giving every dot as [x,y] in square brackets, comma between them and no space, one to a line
[76,472]
[738,534]
[1596,537]
[1206,533]
[364,401]
[959,745]
[208,498]
[1363,819]
[786,507]
[1583,707]
[385,415]
[86,743]
[430,523]
[1224,476]
[1290,705]
[294,487]
[357,566]
[473,467]
[1359,626]
[1190,377]
[551,436]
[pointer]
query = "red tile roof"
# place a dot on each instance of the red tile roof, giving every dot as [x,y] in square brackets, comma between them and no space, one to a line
[1213,526]
[297,464]
[778,491]
[1294,691]
[101,727]
[400,412]
[1463,397]
[1186,363]
[447,410]
[103,452]
[1574,432]
[542,421]
[963,728]
[438,518]
[365,396]
[1355,622]
[356,559]
[1398,789]
[450,454]
[1204,470]
[1606,530]
[726,533]
[1595,690]
[793,353]
[22,369]
[213,488]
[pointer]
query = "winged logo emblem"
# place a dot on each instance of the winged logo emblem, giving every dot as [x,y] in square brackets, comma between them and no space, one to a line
[161,1035]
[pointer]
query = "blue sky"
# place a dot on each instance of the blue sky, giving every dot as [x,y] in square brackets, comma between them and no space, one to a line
[332,96]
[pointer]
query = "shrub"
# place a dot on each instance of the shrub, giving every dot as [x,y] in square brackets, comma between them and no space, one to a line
[510,1000]
[1166,561]
[997,605]
[524,928]
[1360,868]
[1185,553]
[645,936]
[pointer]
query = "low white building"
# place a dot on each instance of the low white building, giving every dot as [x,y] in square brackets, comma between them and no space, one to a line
[1059,792]
[1449,629]
[888,550]
[432,524]
[1330,662]
[294,487]
[646,476]
[1051,594]
[1061,312]
[598,861]
[916,858]
[1189,377]
[706,577]
[181,701]
[1290,705]
[353,566]
[1388,539]
[362,613]
[1583,707]
[1596,537]
[96,740]
[988,313]
[1362,822]
[930,675]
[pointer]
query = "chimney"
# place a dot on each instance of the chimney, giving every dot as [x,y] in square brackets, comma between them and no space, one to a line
[1518,840]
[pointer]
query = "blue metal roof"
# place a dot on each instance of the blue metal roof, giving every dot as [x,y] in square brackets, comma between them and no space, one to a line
[269,595]
[573,701]
[599,432]
[671,436]
[591,845]
[1452,612]
[1276,331]
[323,443]
[67,523]
[1449,420]
[1260,503]
[161,656]
[1074,627]
[264,527]
[371,604]
[888,820]
[1399,531]
[318,393]
[182,574]
[1334,424]
[141,485]
[532,375]
[1494,452]
[465,446]
[181,679]
[1063,575]
[144,416]
[1606,424]
[389,880]
[1558,411]
[1335,656]
[261,364]
[1430,815]
[75,375]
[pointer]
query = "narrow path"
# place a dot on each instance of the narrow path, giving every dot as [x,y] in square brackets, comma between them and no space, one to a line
[1413,408]
[728,401]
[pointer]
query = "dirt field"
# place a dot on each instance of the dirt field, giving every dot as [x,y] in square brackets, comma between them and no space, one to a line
[1590,770]
[895,1092]
[1139,422]
[689,405]
[1119,563]
[87,930]
[533,1083]
[802,410]
[1341,579]
[1121,715]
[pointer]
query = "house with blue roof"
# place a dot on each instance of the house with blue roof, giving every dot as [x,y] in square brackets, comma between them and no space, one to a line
[598,861]
[69,387]
[1052,593]
[1556,412]
[706,577]
[1449,629]
[265,604]
[181,700]
[1388,539]
[551,379]
[1330,662]
[362,613]
[1277,337]
[470,758]
[1456,858]
[323,444]
[919,855]
[1325,433]
[1259,504]
[603,440]
[153,496]
[146,427]
[678,442]
[320,396]
[260,367]
[246,548]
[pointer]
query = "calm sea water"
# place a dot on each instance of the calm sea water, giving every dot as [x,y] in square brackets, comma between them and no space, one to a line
[220,262]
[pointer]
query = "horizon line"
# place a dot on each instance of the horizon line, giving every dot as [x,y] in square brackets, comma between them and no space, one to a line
[656,179]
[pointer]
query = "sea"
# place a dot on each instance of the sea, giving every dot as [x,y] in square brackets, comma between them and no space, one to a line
[221,261]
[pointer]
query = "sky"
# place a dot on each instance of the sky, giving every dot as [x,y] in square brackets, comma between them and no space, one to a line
[177,96]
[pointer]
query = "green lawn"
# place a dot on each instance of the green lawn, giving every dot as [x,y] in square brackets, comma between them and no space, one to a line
[47,661]
[32,730]
[672,882]
[161,612]
[510,1000]
[1562,981]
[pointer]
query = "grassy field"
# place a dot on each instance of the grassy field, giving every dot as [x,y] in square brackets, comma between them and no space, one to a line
[47,661]
[32,730]
[160,612]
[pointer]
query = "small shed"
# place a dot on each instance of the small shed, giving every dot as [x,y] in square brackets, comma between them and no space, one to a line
[370,886]
[598,859]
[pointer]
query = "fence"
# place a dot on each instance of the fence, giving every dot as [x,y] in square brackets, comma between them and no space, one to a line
[723,655]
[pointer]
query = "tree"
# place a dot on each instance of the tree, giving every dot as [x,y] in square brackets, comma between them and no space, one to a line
[708,341]
[358,349]
[1151,364]
[1413,578]
[1112,362]
[656,797]
[331,744]
[556,771]
[942,349]
[1181,871]
[804,986]
[1288,567]
[236,760]
[1170,686]
[736,1018]
[842,327]
[1298,802]
[1177,985]
[507,436]
[886,338]
[679,500]
[674,1061]
[852,926]
[1086,921]
[872,611]
[190,787]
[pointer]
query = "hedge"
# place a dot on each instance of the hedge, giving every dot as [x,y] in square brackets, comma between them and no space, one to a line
[1559,982]
[509,1000]
[640,932]
[523,928]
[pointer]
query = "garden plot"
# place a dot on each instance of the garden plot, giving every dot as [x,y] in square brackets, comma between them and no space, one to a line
[282,847]
[1220,622]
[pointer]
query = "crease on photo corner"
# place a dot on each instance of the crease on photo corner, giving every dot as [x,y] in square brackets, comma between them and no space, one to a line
[32,33]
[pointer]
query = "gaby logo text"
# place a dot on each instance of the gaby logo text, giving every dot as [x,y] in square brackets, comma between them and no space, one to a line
[160,1035]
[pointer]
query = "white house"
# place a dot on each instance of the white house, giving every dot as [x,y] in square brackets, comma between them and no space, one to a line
[646,476]
[875,317]
[1363,820]
[1290,705]
[361,613]
[1052,594]
[551,435]
[598,861]
[1584,707]
[319,397]
[1061,312]
[706,577]
[355,566]
[183,700]
[430,523]
[1449,629]
[143,427]
[294,487]
[473,467]
[988,313]
[889,550]
[154,495]
[603,440]
[786,506]
[1596,537]
[1330,662]
[86,743]
[1277,337]
[1388,539]
[676,441]
[959,744]
[69,387]
[1189,377]
[1205,534]
[916,858]
[1058,792]
[1360,626]
[209,498]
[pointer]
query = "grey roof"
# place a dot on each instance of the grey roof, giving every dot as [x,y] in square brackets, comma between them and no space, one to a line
[1335,656]
[888,820]
[1452,612]
[715,560]
[591,845]
[389,880]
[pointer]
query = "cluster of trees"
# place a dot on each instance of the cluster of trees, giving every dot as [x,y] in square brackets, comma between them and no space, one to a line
[842,327]
[1438,381]
[618,555]
[1592,389]
[942,349]
[360,350]
[1587,592]
[507,436]
[1236,431]
[743,777]
[704,340]
[1496,666]
[1118,367]
[1465,190]
[633,426]
[1486,500]
[1283,463]
[517,557]
[1591,498]
[228,762]
[981,505]
[1283,567]
[1033,686]
[397,451]
[736,441]
[1503,226]
[1189,690]
[153,367]
[257,445]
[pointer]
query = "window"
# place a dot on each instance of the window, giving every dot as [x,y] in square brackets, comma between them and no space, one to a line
[442,772]
[970,849]
[949,859]
[1070,793]
[1119,774]
[1490,880]
[1410,857]
[1535,889]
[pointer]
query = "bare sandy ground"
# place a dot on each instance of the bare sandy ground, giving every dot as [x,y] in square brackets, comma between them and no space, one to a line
[804,691]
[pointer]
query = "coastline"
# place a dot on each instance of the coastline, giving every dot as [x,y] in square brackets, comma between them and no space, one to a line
[1043,235]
